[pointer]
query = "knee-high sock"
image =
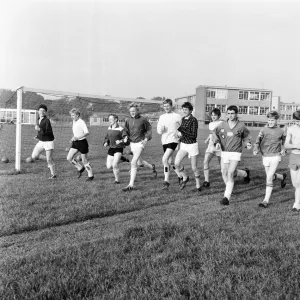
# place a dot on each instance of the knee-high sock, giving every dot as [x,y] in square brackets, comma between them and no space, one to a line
[77,165]
[206,174]
[89,169]
[197,178]
[278,176]
[297,198]
[241,173]
[167,172]
[269,188]
[229,188]
[132,176]
[116,173]
[146,164]
[52,169]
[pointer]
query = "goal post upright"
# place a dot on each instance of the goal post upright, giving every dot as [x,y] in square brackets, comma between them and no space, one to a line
[18,129]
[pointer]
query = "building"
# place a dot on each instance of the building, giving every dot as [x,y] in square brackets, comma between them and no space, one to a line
[253,104]
[9,115]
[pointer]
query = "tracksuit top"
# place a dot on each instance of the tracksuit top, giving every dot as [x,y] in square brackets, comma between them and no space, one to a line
[231,140]
[45,134]
[167,126]
[114,134]
[138,128]
[211,126]
[270,140]
[189,130]
[294,132]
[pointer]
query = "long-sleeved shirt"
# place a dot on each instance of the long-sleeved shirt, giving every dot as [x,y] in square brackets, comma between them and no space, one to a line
[138,128]
[231,139]
[114,134]
[167,126]
[189,130]
[294,136]
[45,134]
[270,140]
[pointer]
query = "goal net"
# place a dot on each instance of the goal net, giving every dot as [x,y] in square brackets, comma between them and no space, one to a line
[18,117]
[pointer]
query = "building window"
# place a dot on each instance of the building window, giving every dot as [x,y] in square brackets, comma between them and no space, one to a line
[243,110]
[289,107]
[289,117]
[263,110]
[253,110]
[264,96]
[243,95]
[210,93]
[209,107]
[217,93]
[105,120]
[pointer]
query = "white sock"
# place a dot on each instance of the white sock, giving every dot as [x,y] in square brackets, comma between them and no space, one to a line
[197,178]
[229,188]
[116,173]
[241,173]
[278,176]
[146,164]
[269,189]
[77,165]
[297,198]
[89,169]
[52,169]
[206,174]
[132,176]
[167,172]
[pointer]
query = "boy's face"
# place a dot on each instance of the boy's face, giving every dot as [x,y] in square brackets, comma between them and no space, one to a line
[214,117]
[167,108]
[272,122]
[133,111]
[75,117]
[112,120]
[186,111]
[42,113]
[231,115]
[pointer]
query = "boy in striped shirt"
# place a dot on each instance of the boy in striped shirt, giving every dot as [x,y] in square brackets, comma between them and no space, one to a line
[269,142]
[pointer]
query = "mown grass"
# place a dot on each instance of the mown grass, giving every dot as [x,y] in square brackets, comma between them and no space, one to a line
[71,239]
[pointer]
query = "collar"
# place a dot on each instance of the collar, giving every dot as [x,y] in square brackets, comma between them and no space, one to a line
[117,126]
[136,117]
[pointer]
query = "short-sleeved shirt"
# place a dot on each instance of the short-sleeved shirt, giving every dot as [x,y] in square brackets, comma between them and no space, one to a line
[79,128]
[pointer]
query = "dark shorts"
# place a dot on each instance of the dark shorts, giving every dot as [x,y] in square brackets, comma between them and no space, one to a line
[112,151]
[294,162]
[172,146]
[81,145]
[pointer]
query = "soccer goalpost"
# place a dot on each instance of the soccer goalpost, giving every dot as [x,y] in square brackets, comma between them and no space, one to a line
[18,117]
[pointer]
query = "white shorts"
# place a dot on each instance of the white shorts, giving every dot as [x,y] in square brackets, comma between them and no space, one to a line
[268,160]
[211,149]
[191,149]
[136,146]
[227,156]
[45,145]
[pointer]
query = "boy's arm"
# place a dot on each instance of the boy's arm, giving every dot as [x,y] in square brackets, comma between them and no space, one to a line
[288,145]
[247,138]
[192,132]
[160,127]
[106,141]
[148,128]
[258,140]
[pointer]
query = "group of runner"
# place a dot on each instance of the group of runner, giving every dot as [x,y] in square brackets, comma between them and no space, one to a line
[226,141]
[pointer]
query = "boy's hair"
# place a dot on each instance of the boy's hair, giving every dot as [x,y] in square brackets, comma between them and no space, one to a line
[43,106]
[296,114]
[187,105]
[273,114]
[216,111]
[133,104]
[233,107]
[168,101]
[114,115]
[75,111]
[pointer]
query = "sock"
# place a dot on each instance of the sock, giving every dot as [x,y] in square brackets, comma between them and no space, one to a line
[89,169]
[182,173]
[116,173]
[241,173]
[77,165]
[167,172]
[206,174]
[228,190]
[42,157]
[132,176]
[146,164]
[297,198]
[197,178]
[278,176]
[52,169]
[269,188]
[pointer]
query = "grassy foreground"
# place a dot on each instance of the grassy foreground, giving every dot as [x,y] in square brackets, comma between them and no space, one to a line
[71,239]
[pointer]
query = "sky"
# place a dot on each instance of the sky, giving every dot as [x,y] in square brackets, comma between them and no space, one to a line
[148,48]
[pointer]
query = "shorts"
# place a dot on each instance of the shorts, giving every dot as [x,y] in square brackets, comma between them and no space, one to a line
[112,151]
[294,162]
[135,146]
[49,145]
[227,156]
[81,145]
[171,146]
[191,149]
[211,149]
[267,160]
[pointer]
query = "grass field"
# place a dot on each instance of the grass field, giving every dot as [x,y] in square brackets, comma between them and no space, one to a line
[72,239]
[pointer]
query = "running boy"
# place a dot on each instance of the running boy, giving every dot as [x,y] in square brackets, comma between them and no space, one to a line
[187,132]
[139,131]
[229,136]
[269,142]
[293,142]
[115,138]
[46,139]
[167,126]
[79,144]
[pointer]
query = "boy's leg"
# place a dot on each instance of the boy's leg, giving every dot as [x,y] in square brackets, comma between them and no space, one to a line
[295,175]
[87,166]
[109,161]
[116,160]
[230,178]
[50,161]
[37,151]
[194,163]
[207,158]
[166,163]
[181,154]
